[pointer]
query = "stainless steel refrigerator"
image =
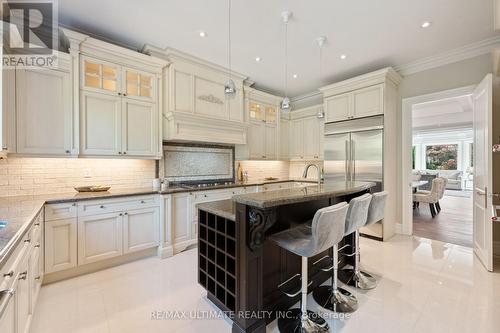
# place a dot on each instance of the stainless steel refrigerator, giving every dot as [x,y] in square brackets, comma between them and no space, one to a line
[354,150]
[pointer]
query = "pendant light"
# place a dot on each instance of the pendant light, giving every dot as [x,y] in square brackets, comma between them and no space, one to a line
[285,103]
[321,41]
[229,86]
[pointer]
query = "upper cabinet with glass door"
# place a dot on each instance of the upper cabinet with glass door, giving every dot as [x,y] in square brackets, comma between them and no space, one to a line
[101,76]
[113,79]
[138,84]
[261,112]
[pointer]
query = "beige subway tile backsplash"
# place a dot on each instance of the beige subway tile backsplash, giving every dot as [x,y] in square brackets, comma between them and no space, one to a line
[33,176]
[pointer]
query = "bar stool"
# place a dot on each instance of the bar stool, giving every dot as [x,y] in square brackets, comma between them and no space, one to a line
[333,297]
[355,276]
[306,241]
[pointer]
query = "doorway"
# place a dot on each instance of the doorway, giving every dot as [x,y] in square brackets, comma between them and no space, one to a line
[439,140]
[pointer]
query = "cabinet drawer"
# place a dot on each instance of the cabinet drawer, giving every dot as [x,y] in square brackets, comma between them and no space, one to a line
[94,207]
[60,211]
[216,194]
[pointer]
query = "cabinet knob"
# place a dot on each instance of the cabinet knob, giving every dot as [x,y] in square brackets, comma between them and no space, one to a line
[120,214]
[73,204]
[119,94]
[142,201]
[68,151]
[124,94]
[119,153]
[124,152]
[101,206]
[205,195]
[125,213]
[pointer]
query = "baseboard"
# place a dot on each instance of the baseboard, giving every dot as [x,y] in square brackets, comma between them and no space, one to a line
[165,252]
[181,246]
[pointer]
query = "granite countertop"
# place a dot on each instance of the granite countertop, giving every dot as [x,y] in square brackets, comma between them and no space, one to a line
[222,208]
[20,211]
[302,194]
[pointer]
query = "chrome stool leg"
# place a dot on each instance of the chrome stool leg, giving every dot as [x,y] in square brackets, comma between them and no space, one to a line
[333,297]
[302,320]
[354,276]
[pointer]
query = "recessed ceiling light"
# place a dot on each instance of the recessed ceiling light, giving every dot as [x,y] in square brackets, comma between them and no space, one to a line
[343,57]
[426,24]
[203,34]
[258,59]
[295,76]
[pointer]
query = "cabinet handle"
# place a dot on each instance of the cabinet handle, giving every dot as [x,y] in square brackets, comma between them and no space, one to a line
[38,245]
[73,204]
[27,240]
[9,274]
[23,275]
[37,224]
[37,278]
[5,296]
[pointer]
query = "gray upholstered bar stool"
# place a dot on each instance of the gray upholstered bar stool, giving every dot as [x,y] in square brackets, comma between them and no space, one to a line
[333,297]
[355,276]
[327,229]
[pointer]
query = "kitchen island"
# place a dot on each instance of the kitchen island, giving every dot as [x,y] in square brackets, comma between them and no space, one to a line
[240,269]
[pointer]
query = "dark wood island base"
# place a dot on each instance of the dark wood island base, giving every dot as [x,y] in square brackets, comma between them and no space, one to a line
[241,270]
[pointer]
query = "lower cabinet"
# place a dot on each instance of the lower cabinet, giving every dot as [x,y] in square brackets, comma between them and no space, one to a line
[98,230]
[99,237]
[141,229]
[180,221]
[18,284]
[8,315]
[60,245]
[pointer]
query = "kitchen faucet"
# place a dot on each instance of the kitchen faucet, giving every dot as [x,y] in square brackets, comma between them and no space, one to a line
[304,175]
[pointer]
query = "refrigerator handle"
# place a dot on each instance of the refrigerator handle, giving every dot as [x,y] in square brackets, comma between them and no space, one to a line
[353,160]
[347,174]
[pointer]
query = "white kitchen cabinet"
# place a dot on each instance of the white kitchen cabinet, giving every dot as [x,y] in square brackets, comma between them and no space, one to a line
[60,244]
[181,222]
[284,140]
[100,76]
[99,237]
[256,142]
[44,112]
[359,103]
[338,108]
[8,112]
[306,136]
[140,229]
[101,129]
[296,139]
[23,303]
[8,318]
[139,128]
[262,143]
[139,85]
[35,276]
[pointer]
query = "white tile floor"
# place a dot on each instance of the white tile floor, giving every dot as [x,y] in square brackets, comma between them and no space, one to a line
[424,286]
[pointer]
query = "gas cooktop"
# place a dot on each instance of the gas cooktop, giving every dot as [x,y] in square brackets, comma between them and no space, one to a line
[203,184]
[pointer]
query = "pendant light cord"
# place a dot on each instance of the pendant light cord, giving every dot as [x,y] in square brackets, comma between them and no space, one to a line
[229,38]
[286,58]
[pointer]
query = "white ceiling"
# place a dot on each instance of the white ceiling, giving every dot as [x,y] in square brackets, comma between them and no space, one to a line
[447,113]
[373,34]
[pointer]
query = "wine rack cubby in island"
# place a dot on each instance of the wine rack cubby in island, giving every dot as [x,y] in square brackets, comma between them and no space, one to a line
[217,257]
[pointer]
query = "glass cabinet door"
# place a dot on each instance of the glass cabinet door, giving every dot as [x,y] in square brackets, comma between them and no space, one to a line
[270,114]
[138,84]
[100,76]
[256,112]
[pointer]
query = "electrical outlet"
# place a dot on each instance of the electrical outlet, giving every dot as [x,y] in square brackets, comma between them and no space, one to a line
[87,173]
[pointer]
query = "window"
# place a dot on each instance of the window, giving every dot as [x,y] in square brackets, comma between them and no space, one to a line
[441,157]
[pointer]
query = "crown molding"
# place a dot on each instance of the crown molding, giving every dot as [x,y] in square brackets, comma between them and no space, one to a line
[448,57]
[310,95]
